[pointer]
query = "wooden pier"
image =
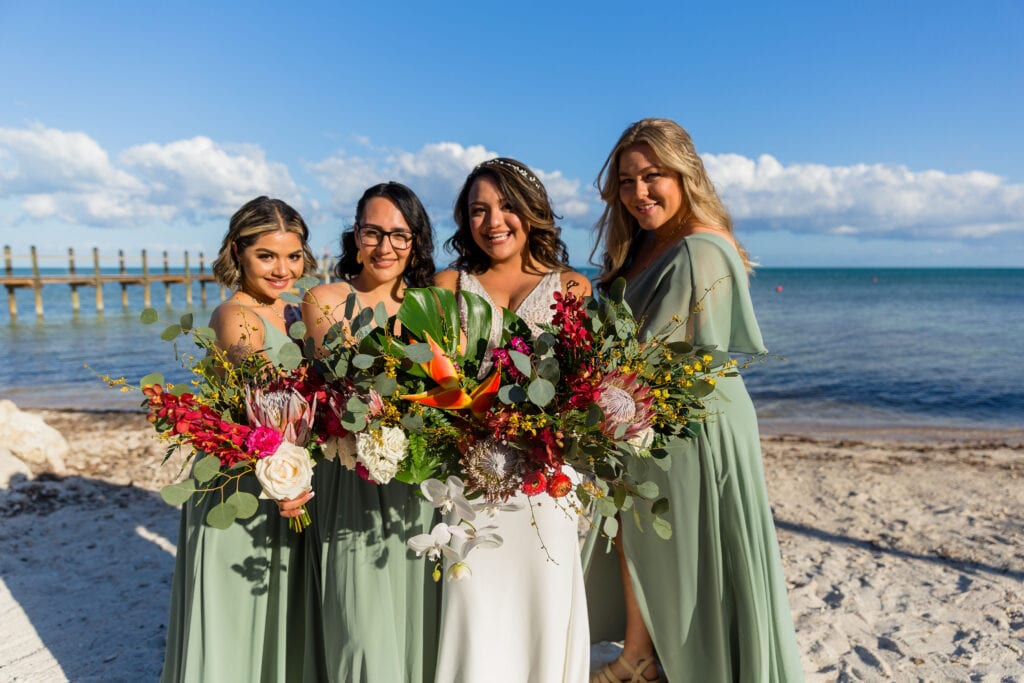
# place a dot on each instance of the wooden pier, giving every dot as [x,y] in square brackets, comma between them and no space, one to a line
[95,278]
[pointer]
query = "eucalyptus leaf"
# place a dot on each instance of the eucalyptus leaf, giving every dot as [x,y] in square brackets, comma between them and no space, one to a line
[606,507]
[662,527]
[548,369]
[205,333]
[206,469]
[660,506]
[176,494]
[171,332]
[356,405]
[419,353]
[594,415]
[291,297]
[151,379]
[702,388]
[297,330]
[521,361]
[353,422]
[647,489]
[610,526]
[540,391]
[307,282]
[289,356]
[222,515]
[245,504]
[511,393]
[186,321]
[620,496]
[363,361]
[380,315]
[617,292]
[413,422]
[385,386]
[148,316]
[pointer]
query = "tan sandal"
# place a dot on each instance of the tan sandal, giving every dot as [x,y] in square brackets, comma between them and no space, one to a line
[635,672]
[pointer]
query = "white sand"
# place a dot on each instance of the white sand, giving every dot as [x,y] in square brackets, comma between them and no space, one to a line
[905,559]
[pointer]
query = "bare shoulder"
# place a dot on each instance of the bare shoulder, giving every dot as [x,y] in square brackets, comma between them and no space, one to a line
[329,294]
[578,281]
[711,230]
[447,279]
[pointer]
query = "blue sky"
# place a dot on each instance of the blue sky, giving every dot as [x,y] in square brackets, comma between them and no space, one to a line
[839,134]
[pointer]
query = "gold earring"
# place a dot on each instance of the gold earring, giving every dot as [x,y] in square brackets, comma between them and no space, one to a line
[359,257]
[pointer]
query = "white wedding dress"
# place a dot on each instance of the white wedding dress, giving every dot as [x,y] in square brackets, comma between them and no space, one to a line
[521,617]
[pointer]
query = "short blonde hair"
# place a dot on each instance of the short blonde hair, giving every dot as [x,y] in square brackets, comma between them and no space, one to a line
[674,148]
[258,217]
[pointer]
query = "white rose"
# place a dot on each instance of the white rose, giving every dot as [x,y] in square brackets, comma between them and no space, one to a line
[381,451]
[343,449]
[285,474]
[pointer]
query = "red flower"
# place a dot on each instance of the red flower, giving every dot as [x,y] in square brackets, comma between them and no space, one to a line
[534,483]
[547,449]
[559,486]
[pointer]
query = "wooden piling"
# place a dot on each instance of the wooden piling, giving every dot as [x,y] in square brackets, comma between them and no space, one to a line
[167,284]
[188,284]
[147,301]
[37,283]
[75,306]
[124,285]
[12,299]
[99,279]
[202,281]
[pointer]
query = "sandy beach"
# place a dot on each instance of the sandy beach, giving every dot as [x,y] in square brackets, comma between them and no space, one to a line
[902,548]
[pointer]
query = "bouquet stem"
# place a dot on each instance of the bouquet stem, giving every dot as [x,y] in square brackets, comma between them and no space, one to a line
[298,524]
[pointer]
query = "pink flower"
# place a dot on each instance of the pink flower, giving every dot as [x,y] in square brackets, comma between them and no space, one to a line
[263,441]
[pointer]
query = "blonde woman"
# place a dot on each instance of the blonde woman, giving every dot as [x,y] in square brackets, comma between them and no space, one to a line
[711,602]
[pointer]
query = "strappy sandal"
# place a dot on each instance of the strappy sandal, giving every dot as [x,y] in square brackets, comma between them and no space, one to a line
[636,672]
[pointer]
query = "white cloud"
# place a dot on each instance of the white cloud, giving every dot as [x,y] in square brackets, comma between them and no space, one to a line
[68,176]
[866,200]
[435,172]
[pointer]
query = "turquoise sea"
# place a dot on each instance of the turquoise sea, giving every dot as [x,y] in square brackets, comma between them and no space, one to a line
[862,347]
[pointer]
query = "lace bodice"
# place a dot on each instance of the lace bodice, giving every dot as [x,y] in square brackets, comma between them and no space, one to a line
[534,309]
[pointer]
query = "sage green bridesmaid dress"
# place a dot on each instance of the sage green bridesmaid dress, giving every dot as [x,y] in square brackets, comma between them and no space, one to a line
[374,603]
[237,596]
[713,596]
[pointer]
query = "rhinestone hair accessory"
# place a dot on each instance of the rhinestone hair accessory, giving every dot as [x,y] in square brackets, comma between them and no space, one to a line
[515,167]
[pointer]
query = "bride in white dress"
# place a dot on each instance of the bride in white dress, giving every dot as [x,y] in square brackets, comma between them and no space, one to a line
[521,617]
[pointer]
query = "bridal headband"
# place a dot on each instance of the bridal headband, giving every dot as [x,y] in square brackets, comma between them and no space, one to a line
[515,167]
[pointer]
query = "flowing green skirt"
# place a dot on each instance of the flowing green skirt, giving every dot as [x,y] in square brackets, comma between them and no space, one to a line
[236,598]
[377,602]
[713,596]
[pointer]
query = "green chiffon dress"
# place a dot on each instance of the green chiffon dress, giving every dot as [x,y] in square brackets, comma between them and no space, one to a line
[713,597]
[237,595]
[375,601]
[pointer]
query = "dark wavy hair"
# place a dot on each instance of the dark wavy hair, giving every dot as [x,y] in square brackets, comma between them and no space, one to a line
[256,218]
[419,272]
[529,200]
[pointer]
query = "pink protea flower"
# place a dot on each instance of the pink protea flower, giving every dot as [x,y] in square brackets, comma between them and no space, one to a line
[625,401]
[263,441]
[285,410]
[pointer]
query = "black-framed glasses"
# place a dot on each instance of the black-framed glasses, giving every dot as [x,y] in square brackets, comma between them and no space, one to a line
[372,236]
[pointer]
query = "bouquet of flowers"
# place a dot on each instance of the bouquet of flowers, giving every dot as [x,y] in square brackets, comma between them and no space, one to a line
[239,419]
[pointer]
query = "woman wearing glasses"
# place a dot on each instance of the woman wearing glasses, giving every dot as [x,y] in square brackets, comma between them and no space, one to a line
[377,602]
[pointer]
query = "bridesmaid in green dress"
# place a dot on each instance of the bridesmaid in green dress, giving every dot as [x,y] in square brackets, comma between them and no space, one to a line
[710,602]
[378,604]
[237,593]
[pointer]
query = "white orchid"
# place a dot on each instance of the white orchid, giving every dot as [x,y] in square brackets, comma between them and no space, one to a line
[449,496]
[437,541]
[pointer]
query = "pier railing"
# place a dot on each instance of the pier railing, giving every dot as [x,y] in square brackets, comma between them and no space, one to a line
[98,276]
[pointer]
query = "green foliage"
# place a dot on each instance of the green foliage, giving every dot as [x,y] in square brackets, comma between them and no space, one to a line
[176,494]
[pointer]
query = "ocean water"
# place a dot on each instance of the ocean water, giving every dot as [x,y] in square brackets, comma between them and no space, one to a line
[882,347]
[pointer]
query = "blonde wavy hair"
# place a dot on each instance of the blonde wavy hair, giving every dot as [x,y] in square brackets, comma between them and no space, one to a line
[617,229]
[258,217]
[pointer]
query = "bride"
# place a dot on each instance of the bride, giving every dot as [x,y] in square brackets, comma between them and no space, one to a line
[521,617]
